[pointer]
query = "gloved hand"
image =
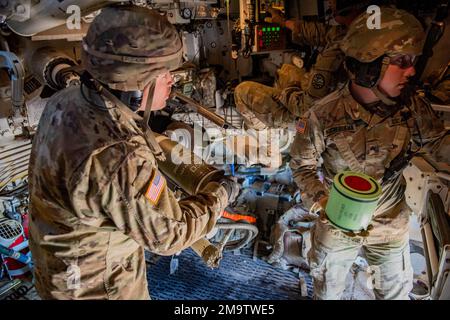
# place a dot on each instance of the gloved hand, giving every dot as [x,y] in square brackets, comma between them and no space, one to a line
[232,188]
[277,16]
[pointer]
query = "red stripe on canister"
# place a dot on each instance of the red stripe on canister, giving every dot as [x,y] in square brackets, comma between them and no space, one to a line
[357,183]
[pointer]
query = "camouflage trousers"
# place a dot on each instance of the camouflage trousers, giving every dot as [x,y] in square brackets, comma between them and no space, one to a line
[332,255]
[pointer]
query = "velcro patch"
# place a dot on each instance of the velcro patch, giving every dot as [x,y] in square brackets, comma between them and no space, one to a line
[341,128]
[301,126]
[397,121]
[155,188]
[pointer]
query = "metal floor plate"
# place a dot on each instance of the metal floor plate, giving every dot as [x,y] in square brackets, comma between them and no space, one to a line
[239,277]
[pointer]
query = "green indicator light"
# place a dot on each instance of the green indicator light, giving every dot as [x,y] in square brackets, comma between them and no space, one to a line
[264,29]
[278,28]
[273,28]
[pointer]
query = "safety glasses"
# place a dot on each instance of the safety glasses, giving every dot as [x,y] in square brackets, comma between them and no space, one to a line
[403,61]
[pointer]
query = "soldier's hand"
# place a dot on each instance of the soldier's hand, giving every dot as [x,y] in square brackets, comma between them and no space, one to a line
[277,16]
[319,208]
[323,202]
[323,216]
[232,188]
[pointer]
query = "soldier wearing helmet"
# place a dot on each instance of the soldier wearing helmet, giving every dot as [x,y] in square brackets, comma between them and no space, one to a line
[97,197]
[297,85]
[369,126]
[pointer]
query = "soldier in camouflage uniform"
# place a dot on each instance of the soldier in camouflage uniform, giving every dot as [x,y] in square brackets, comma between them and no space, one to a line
[97,196]
[366,128]
[441,86]
[263,106]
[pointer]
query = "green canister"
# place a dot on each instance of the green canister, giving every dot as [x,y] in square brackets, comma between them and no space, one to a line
[352,201]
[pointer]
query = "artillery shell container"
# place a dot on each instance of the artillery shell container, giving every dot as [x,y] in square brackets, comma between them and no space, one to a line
[352,201]
[184,168]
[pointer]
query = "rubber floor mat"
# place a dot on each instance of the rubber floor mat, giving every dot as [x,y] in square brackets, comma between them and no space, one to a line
[238,277]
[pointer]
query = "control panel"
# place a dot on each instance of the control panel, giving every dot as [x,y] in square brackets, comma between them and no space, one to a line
[269,37]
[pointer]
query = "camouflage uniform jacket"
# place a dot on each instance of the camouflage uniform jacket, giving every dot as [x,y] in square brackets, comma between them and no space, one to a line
[345,136]
[91,173]
[441,88]
[323,77]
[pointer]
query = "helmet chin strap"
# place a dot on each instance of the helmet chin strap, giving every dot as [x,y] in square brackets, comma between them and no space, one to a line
[148,134]
[380,95]
[150,137]
[384,98]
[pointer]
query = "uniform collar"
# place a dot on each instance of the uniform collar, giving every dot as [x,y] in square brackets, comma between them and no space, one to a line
[356,111]
[95,99]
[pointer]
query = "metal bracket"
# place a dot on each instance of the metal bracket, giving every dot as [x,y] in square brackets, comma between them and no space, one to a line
[17,74]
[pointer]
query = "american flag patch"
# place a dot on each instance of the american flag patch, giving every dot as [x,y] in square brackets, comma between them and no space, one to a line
[301,126]
[155,188]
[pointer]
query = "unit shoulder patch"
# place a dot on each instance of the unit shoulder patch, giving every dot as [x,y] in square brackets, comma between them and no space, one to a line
[155,188]
[318,81]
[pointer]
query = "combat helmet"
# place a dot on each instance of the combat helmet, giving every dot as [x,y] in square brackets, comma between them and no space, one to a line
[126,47]
[370,48]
